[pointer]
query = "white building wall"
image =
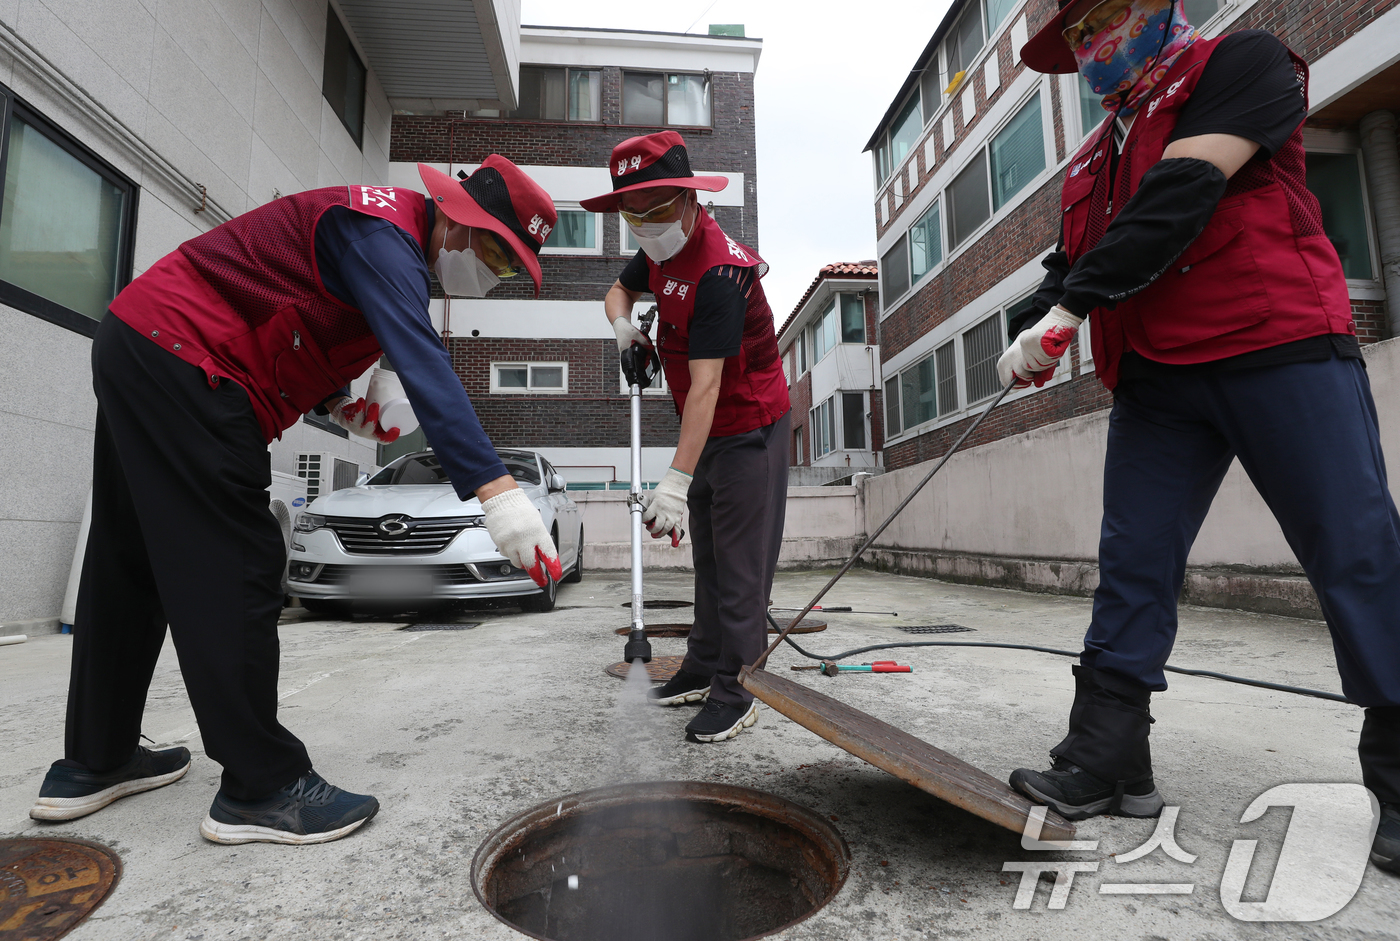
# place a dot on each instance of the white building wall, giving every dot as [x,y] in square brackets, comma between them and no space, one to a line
[172,93]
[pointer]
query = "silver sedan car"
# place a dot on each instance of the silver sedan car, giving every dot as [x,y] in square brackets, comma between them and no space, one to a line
[403,538]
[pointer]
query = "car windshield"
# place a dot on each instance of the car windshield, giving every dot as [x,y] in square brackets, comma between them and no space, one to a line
[425,469]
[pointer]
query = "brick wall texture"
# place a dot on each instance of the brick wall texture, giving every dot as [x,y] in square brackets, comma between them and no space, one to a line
[1310,29]
[594,412]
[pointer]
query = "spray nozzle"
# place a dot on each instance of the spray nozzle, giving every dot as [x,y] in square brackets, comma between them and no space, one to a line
[638,647]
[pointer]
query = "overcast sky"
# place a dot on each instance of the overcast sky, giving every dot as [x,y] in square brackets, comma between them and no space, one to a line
[827,73]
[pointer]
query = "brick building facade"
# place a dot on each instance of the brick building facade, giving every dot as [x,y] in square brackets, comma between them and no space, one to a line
[579,419]
[969,160]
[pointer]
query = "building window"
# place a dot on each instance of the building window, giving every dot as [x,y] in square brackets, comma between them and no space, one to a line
[343,78]
[66,224]
[982,346]
[894,272]
[1199,12]
[1018,153]
[553,94]
[853,421]
[892,422]
[324,423]
[968,203]
[925,243]
[529,377]
[852,318]
[800,454]
[945,357]
[963,44]
[919,390]
[824,428]
[902,136]
[997,11]
[1089,107]
[576,233]
[660,98]
[825,332]
[1335,179]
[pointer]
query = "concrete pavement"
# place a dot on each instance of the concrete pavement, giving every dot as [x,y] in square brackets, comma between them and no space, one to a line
[455,731]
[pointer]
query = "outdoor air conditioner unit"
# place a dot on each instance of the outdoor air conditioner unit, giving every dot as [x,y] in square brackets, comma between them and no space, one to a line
[325,472]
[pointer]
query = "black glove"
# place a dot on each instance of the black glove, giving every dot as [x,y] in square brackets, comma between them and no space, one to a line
[640,365]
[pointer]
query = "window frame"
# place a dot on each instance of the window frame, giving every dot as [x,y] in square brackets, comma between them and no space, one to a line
[665,105]
[829,430]
[597,248]
[529,366]
[358,136]
[843,429]
[1336,144]
[26,301]
[566,69]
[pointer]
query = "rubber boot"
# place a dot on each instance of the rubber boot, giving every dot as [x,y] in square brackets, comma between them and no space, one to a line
[1104,763]
[1379,751]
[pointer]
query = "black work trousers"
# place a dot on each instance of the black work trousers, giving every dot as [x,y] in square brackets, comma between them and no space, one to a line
[737,503]
[181,534]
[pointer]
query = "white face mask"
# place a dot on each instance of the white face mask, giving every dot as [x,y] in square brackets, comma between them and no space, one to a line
[660,240]
[462,274]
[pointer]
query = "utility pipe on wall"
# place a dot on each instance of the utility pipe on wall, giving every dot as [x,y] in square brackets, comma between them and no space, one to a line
[1379,147]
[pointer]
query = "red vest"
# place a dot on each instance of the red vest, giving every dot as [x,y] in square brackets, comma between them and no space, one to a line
[1261,273]
[752,390]
[245,301]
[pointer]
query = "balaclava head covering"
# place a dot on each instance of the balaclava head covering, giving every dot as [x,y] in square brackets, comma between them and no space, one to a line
[1126,59]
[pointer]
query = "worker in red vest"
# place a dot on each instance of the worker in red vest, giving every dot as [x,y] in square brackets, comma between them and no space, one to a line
[205,359]
[719,351]
[1221,323]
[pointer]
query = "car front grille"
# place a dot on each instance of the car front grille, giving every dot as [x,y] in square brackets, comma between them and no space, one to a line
[397,535]
[440,574]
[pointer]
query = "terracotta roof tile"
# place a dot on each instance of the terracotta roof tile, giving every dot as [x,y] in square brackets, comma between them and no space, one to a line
[837,269]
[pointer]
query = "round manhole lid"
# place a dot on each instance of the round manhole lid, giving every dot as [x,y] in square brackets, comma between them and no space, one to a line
[699,860]
[660,669]
[48,886]
[660,603]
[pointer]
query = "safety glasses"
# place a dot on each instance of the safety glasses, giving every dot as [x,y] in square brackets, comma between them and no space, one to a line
[1095,21]
[662,213]
[497,258]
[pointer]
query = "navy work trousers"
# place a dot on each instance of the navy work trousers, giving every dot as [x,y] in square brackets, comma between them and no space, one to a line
[181,534]
[1306,434]
[737,503]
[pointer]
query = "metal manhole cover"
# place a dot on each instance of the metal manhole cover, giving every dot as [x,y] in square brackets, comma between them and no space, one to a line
[661,603]
[659,630]
[933,628]
[48,886]
[660,669]
[441,627]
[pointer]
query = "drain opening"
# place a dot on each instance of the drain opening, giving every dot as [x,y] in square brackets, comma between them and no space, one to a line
[687,861]
[934,628]
[660,604]
[456,626]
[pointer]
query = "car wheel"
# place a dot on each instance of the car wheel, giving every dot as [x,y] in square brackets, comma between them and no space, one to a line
[544,601]
[576,575]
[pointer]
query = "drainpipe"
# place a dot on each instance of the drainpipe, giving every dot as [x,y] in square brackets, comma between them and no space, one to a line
[1378,145]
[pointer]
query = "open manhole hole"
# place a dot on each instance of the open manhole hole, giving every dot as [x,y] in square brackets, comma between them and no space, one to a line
[48,886]
[661,604]
[664,861]
[808,626]
[934,628]
[451,626]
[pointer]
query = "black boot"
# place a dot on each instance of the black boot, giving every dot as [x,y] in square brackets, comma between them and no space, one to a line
[1104,764]
[1379,751]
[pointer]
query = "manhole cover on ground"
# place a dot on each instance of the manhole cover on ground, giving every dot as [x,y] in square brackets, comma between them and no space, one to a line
[661,603]
[933,628]
[48,886]
[680,860]
[441,627]
[660,669]
[808,626]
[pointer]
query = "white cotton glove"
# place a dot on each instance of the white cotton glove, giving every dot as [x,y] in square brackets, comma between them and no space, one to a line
[1033,356]
[386,391]
[517,530]
[665,506]
[627,334]
[362,418]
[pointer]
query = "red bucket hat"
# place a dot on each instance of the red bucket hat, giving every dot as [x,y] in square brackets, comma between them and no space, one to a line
[498,197]
[1047,50]
[654,160]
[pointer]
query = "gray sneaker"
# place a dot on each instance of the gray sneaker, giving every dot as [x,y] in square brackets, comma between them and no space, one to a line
[71,791]
[309,810]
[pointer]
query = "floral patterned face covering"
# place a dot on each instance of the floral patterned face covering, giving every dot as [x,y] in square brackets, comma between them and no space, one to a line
[1123,48]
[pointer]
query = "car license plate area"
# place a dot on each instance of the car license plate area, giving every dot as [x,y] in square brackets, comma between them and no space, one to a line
[391,582]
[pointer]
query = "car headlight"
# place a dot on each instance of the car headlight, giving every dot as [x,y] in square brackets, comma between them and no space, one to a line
[309,523]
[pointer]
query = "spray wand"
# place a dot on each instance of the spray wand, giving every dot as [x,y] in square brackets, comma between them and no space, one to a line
[640,366]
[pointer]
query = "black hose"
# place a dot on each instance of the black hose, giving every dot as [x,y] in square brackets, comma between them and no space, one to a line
[1243,681]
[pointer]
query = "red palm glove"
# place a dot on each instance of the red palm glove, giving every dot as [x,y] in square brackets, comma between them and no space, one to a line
[1033,356]
[362,419]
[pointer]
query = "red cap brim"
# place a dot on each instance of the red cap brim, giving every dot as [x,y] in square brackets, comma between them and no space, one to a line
[1047,51]
[449,196]
[610,201]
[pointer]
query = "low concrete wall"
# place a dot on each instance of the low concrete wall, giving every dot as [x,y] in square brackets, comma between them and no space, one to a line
[1024,512]
[822,527]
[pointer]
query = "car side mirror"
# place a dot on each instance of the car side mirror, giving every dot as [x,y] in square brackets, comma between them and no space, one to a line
[362,479]
[557,483]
